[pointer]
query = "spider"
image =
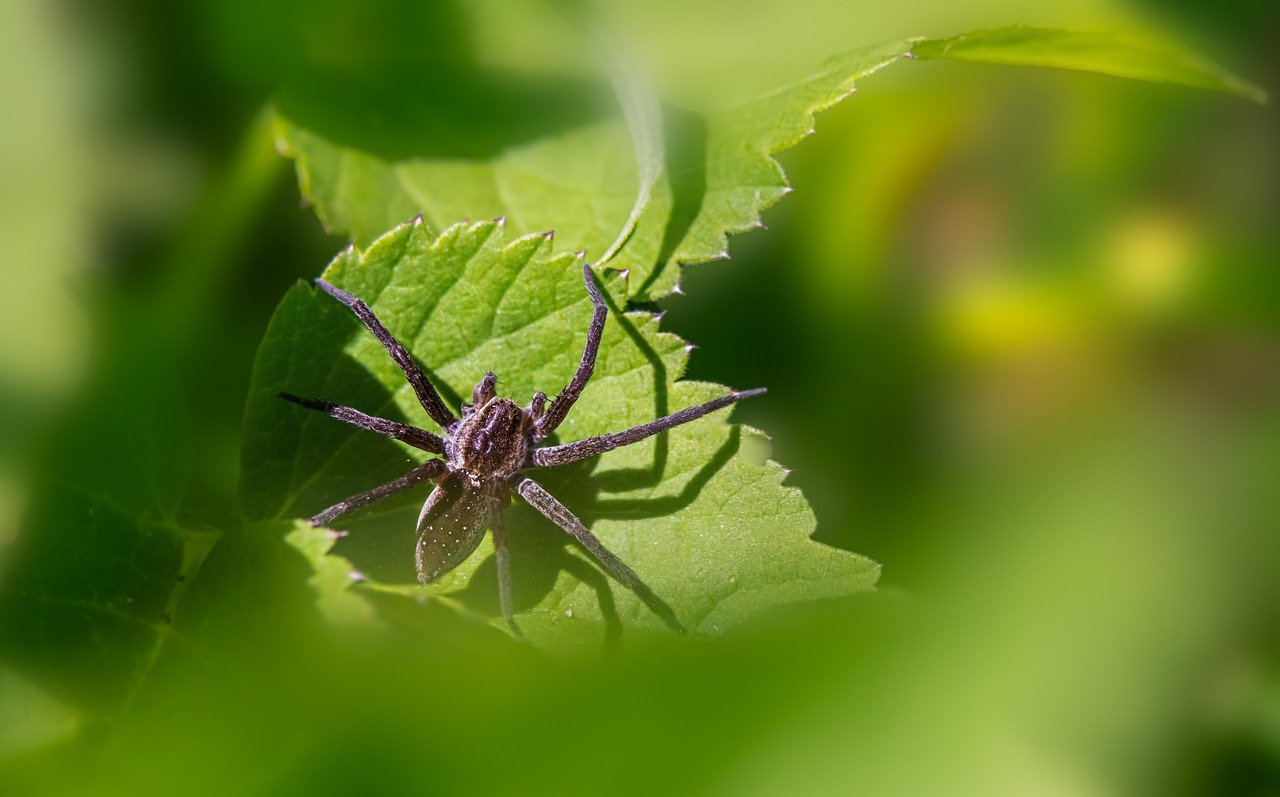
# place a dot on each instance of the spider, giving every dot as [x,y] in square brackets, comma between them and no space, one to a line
[483,456]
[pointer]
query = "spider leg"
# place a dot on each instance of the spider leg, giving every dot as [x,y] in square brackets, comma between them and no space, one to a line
[589,447]
[418,438]
[430,470]
[564,402]
[427,394]
[560,515]
[502,558]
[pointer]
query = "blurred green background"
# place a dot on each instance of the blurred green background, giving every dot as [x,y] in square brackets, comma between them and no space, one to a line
[1021,332]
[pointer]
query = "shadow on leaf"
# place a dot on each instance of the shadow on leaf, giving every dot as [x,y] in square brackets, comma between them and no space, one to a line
[437,110]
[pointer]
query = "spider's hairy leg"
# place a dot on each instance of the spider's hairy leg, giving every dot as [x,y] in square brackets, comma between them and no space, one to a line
[431,470]
[427,395]
[502,558]
[589,447]
[564,402]
[418,438]
[560,515]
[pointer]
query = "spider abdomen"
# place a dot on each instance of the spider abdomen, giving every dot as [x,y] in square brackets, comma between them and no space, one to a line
[492,441]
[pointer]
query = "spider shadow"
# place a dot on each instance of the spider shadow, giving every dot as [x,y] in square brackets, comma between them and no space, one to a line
[539,553]
[574,483]
[626,479]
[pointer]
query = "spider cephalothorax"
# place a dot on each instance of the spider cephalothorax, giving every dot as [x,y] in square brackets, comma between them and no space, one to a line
[484,455]
[492,440]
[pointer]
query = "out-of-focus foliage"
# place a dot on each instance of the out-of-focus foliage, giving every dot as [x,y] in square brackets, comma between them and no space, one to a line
[1020,335]
[103,557]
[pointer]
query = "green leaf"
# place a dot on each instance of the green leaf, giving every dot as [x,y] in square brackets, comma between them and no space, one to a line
[1130,55]
[576,175]
[331,575]
[699,512]
[378,146]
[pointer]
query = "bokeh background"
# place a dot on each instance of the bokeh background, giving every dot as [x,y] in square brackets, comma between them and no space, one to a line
[1021,332]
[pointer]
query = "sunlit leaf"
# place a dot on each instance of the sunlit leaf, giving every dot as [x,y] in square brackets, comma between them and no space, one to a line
[699,513]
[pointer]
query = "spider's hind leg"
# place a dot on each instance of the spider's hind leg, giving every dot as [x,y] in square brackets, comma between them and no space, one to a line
[564,402]
[431,470]
[502,558]
[427,394]
[560,515]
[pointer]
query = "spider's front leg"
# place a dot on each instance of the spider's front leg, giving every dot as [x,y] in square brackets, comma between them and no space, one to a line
[426,392]
[559,514]
[502,558]
[559,409]
[418,438]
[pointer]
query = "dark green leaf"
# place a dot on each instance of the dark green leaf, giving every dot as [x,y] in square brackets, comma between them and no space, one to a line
[94,579]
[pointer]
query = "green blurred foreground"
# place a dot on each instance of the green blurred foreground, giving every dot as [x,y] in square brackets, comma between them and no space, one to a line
[1020,335]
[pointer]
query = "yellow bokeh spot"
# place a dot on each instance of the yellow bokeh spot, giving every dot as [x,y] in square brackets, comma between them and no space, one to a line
[1150,260]
[997,317]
